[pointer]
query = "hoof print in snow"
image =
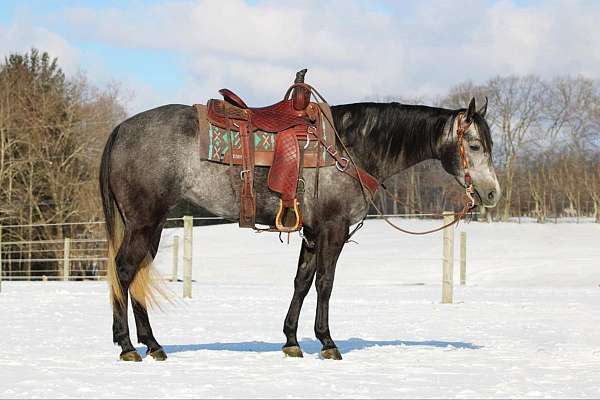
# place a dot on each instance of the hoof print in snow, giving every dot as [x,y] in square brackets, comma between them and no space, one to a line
[293,351]
[158,355]
[331,354]
[131,356]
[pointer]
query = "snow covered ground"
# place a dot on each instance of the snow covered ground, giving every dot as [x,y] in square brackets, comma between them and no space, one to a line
[526,325]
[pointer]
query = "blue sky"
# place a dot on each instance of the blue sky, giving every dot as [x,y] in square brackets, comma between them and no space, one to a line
[157,67]
[178,51]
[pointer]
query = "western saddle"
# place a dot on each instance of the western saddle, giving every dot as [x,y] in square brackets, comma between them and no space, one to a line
[270,136]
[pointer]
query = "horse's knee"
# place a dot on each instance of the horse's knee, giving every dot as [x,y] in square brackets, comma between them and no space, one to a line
[324,287]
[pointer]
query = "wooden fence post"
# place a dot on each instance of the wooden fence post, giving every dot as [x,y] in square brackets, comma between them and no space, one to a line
[66,263]
[448,259]
[463,258]
[175,258]
[188,224]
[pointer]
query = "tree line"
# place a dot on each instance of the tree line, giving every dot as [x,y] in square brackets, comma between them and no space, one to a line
[53,128]
[546,152]
[52,132]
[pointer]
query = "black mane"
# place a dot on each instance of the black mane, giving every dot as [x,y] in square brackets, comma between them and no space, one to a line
[385,131]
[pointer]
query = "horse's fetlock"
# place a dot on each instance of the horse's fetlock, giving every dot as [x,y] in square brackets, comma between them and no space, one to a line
[322,333]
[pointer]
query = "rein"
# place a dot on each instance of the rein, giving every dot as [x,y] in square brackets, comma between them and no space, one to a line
[468,200]
[369,184]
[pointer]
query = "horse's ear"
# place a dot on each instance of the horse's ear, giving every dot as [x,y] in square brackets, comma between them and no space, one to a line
[483,109]
[470,110]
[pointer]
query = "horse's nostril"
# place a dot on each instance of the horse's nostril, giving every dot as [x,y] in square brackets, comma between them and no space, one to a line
[491,195]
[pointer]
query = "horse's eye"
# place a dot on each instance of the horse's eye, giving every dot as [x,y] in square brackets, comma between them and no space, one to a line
[475,147]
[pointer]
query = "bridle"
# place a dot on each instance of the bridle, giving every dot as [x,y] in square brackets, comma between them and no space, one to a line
[461,128]
[369,184]
[462,125]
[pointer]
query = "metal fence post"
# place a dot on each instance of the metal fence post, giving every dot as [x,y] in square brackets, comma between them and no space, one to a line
[463,258]
[448,264]
[66,263]
[188,224]
[175,258]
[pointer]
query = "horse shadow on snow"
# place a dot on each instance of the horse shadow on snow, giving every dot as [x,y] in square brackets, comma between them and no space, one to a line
[312,346]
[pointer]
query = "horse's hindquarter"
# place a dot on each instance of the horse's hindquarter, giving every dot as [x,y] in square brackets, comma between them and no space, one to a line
[150,157]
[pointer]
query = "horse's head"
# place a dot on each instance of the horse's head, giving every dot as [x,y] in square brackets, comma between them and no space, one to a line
[477,145]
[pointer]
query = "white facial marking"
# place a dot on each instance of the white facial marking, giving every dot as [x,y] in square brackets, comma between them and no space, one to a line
[481,168]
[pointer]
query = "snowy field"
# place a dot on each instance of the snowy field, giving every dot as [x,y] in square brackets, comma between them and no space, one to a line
[526,325]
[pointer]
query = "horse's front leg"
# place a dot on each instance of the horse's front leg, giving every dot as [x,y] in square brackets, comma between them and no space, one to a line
[331,240]
[302,282]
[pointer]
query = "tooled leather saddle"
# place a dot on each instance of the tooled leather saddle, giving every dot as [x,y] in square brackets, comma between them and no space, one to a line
[271,137]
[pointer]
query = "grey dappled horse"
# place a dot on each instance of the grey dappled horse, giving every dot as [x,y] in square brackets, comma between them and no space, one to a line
[152,160]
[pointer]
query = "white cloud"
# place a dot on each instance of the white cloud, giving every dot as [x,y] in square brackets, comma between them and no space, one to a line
[260,47]
[20,37]
[353,50]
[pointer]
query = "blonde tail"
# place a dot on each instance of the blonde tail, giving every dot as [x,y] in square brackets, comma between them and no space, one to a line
[147,287]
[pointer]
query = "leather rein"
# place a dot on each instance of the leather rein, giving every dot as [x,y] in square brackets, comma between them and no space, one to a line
[369,184]
[468,200]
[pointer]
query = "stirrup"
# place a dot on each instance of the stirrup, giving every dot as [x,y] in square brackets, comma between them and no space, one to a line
[279,224]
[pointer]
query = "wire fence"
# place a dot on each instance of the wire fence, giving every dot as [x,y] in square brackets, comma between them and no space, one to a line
[79,256]
[77,261]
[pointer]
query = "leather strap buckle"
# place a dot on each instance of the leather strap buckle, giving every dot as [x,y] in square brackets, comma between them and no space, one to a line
[341,167]
[303,182]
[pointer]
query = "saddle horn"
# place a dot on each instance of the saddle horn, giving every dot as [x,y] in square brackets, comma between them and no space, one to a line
[301,94]
[300,76]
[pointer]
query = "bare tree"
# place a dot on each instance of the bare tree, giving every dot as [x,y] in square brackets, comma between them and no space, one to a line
[517,103]
[51,134]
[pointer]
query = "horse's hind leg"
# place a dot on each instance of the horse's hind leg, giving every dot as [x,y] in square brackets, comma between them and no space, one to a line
[144,332]
[302,283]
[142,321]
[133,249]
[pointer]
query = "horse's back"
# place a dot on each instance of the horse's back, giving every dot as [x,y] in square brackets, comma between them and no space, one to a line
[170,119]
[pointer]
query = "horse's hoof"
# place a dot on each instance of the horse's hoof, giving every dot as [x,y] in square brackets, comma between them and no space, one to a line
[331,354]
[292,351]
[131,356]
[158,355]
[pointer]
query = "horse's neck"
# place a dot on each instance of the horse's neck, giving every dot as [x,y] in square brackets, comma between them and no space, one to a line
[385,139]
